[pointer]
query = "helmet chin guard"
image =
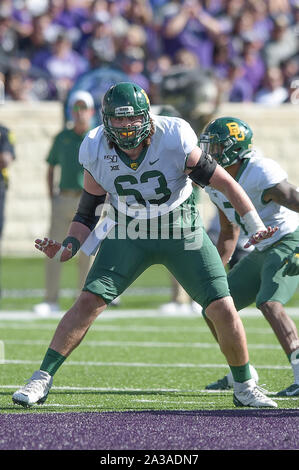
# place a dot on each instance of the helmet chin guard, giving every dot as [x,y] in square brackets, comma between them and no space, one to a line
[126,100]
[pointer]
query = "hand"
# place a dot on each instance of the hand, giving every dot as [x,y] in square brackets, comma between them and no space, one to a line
[54,249]
[191,8]
[292,264]
[260,236]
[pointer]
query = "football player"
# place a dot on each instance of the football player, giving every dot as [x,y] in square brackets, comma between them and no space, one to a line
[146,165]
[268,275]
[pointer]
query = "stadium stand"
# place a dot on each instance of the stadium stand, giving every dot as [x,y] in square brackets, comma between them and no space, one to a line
[47,45]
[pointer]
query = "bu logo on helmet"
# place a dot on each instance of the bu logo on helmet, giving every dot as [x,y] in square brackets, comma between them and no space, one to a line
[235,131]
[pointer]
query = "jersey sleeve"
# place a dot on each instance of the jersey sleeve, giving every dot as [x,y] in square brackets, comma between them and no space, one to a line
[53,155]
[88,150]
[270,174]
[188,137]
[185,141]
[83,154]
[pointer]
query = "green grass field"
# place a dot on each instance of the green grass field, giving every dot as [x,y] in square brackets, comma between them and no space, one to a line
[129,362]
[134,360]
[23,280]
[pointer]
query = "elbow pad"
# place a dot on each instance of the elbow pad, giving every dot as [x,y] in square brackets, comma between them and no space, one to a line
[86,212]
[203,171]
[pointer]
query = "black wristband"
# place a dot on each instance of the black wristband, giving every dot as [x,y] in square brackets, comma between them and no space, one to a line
[75,244]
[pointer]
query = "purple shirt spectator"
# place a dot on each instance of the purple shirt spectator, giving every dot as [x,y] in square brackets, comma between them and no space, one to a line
[240,91]
[262,29]
[22,16]
[70,19]
[254,73]
[70,16]
[62,62]
[71,65]
[192,37]
[253,64]
[223,53]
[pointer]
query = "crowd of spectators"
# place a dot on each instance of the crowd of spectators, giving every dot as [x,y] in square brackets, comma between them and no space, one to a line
[250,46]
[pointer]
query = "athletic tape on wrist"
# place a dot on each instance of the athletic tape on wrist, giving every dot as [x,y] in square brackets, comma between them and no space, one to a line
[59,253]
[252,222]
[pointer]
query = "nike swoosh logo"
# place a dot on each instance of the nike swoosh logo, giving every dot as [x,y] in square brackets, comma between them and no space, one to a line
[152,163]
[294,392]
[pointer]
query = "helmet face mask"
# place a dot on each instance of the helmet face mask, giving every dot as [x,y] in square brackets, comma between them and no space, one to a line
[227,140]
[126,100]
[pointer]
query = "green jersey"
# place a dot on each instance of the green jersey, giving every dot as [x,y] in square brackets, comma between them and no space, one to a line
[64,152]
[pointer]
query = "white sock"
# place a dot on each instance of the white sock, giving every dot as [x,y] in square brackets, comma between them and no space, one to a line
[241,386]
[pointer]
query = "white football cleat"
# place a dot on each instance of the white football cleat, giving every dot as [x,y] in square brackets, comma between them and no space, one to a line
[46,308]
[227,382]
[115,302]
[35,391]
[249,394]
[175,308]
[196,307]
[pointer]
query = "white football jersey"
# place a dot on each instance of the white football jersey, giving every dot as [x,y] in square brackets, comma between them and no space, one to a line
[152,185]
[257,174]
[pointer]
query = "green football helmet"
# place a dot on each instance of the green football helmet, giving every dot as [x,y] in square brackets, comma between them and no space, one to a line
[122,100]
[226,139]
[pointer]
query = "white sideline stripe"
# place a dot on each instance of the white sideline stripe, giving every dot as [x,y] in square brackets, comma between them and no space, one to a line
[143,344]
[198,403]
[137,390]
[142,328]
[2,353]
[114,389]
[141,364]
[95,407]
[138,329]
[149,313]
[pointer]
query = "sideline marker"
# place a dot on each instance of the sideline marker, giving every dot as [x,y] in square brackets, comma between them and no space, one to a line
[2,355]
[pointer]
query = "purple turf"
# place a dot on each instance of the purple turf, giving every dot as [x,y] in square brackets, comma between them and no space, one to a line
[152,430]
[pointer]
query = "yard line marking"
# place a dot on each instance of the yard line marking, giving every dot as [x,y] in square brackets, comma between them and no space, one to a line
[202,405]
[101,406]
[69,292]
[143,344]
[122,389]
[108,314]
[167,402]
[2,352]
[114,389]
[142,364]
[134,329]
[145,390]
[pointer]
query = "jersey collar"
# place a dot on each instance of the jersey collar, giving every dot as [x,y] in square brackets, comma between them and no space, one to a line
[133,164]
[243,166]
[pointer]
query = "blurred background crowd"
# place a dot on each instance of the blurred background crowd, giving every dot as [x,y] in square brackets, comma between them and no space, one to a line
[242,50]
[190,56]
